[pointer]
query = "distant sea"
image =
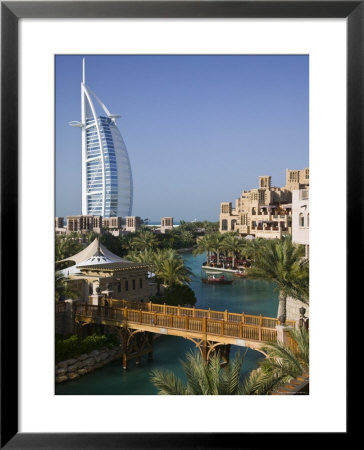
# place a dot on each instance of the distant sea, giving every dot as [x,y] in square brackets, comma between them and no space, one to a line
[154,223]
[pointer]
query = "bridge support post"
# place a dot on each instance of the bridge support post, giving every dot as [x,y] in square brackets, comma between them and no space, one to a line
[225,355]
[204,351]
[125,360]
[204,342]
[124,336]
[283,335]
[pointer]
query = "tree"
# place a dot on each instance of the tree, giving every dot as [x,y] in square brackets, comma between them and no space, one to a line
[202,378]
[64,248]
[279,260]
[209,243]
[252,246]
[62,290]
[126,241]
[187,238]
[300,288]
[171,238]
[91,236]
[178,295]
[215,241]
[281,365]
[167,265]
[112,243]
[172,271]
[203,246]
[144,240]
[144,257]
[233,245]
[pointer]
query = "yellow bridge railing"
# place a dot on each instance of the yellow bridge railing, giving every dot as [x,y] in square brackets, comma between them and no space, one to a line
[248,319]
[197,321]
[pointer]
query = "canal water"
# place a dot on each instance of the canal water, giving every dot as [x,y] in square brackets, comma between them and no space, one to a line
[248,296]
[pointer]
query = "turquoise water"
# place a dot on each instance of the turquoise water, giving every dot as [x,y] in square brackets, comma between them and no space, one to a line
[249,296]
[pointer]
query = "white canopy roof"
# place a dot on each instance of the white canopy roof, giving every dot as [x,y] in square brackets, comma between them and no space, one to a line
[97,250]
[95,253]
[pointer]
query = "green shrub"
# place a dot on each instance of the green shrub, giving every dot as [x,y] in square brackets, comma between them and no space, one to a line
[73,346]
[181,295]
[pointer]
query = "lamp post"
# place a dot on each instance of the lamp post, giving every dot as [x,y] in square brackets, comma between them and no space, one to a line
[303,321]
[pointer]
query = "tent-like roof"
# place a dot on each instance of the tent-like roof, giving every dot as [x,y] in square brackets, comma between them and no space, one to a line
[95,249]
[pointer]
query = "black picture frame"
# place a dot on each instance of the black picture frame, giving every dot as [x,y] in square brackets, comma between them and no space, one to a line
[11,12]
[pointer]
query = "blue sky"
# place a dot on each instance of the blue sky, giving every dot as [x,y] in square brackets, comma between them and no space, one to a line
[198,129]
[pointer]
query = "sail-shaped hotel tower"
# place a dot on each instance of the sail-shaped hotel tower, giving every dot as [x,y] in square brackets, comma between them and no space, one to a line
[107,184]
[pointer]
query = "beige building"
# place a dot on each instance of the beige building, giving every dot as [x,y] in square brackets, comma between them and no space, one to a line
[265,211]
[59,222]
[300,235]
[84,224]
[59,226]
[301,218]
[166,224]
[97,273]
[112,223]
[132,223]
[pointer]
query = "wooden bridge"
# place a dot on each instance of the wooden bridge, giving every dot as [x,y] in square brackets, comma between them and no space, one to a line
[206,328]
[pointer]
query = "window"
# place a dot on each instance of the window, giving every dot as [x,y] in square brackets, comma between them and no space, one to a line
[133,284]
[140,282]
[126,285]
[308,220]
[119,286]
[301,220]
[224,225]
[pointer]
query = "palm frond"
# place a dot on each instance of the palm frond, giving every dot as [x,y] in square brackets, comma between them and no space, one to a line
[167,382]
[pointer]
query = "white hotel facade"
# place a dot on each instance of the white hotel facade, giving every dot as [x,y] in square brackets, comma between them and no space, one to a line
[107,184]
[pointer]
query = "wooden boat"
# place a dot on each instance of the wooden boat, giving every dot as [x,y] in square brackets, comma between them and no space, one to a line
[216,279]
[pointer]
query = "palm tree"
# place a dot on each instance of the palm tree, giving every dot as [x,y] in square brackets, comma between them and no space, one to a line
[202,378]
[91,236]
[170,268]
[64,248]
[167,265]
[233,245]
[62,289]
[281,365]
[300,288]
[252,247]
[279,260]
[209,243]
[216,243]
[187,238]
[144,257]
[172,238]
[204,245]
[126,241]
[144,240]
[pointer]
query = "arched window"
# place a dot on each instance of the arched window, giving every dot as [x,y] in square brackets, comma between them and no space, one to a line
[301,220]
[233,223]
[224,225]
